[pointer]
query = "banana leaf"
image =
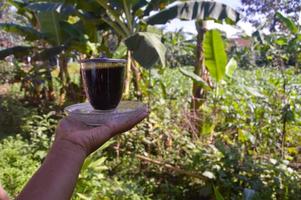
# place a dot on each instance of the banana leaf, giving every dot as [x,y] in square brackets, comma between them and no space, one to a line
[215,55]
[28,32]
[17,51]
[147,48]
[195,10]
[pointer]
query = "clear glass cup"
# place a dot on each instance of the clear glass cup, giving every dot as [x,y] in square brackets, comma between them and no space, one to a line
[103,80]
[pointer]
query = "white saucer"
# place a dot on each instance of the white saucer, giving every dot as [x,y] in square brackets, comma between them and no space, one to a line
[84,112]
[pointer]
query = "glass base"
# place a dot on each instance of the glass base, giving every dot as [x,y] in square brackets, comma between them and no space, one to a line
[85,113]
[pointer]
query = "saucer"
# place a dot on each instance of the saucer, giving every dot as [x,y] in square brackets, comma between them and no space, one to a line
[84,112]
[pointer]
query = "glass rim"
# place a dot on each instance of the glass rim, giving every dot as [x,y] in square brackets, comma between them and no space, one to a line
[102,65]
[103,60]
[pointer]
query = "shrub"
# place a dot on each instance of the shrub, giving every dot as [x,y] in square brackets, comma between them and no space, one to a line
[12,116]
[16,163]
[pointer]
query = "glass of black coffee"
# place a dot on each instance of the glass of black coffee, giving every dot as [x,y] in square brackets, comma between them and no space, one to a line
[103,81]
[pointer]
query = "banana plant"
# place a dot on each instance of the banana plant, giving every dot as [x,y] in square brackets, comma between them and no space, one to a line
[200,11]
[55,29]
[125,17]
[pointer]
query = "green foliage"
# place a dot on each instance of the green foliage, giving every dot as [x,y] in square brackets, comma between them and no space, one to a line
[39,130]
[215,55]
[95,183]
[231,67]
[12,116]
[147,48]
[7,72]
[179,49]
[288,23]
[195,78]
[17,164]
[28,32]
[238,158]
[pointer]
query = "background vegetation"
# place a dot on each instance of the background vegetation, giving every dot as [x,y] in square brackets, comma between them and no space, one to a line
[242,141]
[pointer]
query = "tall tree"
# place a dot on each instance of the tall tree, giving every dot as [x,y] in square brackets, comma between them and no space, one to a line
[268,9]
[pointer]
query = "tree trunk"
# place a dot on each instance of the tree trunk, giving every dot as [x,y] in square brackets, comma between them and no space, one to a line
[136,79]
[128,77]
[199,95]
[64,77]
[50,91]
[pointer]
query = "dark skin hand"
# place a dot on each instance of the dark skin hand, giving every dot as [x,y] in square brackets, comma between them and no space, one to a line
[3,195]
[74,141]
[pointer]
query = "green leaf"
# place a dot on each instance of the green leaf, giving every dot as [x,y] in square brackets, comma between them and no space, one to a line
[217,194]
[28,32]
[49,16]
[195,10]
[83,197]
[245,136]
[281,41]
[49,22]
[120,52]
[231,67]
[52,7]
[253,92]
[215,55]
[17,51]
[197,79]
[287,22]
[147,48]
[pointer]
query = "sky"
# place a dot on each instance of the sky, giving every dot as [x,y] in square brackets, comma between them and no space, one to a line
[189,26]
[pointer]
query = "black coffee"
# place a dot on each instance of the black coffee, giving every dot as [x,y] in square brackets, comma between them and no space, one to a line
[104,86]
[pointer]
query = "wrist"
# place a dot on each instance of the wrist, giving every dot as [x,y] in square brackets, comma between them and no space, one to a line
[67,149]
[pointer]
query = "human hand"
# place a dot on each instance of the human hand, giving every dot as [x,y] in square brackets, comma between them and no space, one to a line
[3,195]
[89,138]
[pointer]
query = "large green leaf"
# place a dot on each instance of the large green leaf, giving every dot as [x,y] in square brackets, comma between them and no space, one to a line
[147,48]
[17,51]
[50,25]
[61,8]
[28,32]
[287,22]
[195,78]
[215,55]
[231,67]
[195,10]
[49,16]
[217,194]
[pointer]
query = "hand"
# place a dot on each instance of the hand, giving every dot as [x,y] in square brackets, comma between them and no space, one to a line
[3,195]
[91,138]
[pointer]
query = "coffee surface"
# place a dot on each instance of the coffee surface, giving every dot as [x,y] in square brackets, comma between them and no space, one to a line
[104,86]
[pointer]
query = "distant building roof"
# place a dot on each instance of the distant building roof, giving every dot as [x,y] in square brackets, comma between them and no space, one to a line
[241,42]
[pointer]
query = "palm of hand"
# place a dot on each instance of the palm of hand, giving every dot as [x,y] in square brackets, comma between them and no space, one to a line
[91,138]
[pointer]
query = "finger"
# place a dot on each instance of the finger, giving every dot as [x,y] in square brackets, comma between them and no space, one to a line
[103,133]
[127,122]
